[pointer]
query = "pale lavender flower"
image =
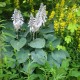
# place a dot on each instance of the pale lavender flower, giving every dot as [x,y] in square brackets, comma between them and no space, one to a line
[17,19]
[42,13]
[36,22]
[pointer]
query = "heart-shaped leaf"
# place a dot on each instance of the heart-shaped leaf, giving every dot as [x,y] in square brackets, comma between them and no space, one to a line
[56,57]
[39,56]
[18,44]
[37,43]
[22,56]
[59,55]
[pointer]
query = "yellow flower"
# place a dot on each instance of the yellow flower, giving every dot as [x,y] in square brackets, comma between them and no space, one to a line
[57,5]
[56,25]
[61,15]
[63,23]
[75,21]
[74,7]
[51,15]
[70,16]
[62,3]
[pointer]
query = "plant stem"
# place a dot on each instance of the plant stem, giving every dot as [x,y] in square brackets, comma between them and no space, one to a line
[33,35]
[17,35]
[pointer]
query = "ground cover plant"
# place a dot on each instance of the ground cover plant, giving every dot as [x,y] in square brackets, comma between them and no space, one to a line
[40,40]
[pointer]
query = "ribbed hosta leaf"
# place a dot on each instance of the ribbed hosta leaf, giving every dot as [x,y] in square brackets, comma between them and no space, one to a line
[37,43]
[39,56]
[18,44]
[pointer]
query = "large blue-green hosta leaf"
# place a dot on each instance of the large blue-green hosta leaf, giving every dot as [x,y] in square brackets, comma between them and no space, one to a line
[37,43]
[57,56]
[22,56]
[56,42]
[39,56]
[18,44]
[50,37]
[29,67]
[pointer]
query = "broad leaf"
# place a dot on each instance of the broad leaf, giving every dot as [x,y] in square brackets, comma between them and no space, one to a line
[18,44]
[56,42]
[59,55]
[37,43]
[50,37]
[29,67]
[74,73]
[56,57]
[39,56]
[22,56]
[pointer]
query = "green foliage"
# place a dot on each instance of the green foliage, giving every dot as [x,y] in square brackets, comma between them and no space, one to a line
[22,56]
[68,39]
[17,45]
[39,56]
[37,43]
[72,27]
[2,4]
[50,55]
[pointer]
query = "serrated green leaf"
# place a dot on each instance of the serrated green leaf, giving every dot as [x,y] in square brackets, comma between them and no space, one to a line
[72,27]
[37,43]
[68,39]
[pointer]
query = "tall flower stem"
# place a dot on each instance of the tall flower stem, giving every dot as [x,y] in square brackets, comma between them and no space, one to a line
[33,35]
[17,36]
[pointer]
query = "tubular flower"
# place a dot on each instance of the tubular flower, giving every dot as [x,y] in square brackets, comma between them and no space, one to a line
[42,13]
[17,19]
[32,24]
[36,22]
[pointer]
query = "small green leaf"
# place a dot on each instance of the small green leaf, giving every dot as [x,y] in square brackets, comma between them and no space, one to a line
[65,64]
[18,44]
[68,39]
[60,47]
[37,43]
[78,12]
[74,73]
[2,4]
[72,27]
